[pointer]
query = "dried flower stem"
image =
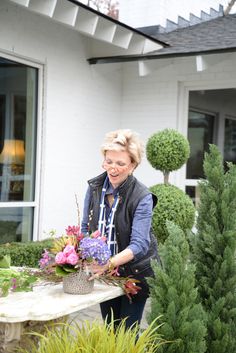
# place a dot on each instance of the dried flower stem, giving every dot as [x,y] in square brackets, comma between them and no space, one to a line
[77,207]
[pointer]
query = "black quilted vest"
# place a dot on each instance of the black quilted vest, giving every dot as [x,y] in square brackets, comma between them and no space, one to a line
[130,192]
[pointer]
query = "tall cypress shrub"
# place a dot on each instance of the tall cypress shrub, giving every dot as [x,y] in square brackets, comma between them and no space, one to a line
[174,296]
[214,248]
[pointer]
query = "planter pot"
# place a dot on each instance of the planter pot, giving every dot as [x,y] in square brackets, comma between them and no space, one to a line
[78,283]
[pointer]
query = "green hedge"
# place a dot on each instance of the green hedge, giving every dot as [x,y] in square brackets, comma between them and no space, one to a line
[25,254]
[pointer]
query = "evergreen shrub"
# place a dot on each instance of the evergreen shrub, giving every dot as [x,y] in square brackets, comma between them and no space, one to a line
[214,246]
[173,205]
[167,150]
[174,296]
[25,254]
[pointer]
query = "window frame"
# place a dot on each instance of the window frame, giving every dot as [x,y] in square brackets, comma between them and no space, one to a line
[184,89]
[35,205]
[229,117]
[215,130]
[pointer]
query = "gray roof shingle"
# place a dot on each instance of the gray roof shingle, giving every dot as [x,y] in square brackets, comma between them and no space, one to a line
[216,34]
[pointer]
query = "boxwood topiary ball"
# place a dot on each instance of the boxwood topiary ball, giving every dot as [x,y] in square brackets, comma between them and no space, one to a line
[173,205]
[167,150]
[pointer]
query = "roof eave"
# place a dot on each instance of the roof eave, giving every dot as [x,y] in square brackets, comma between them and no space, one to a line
[132,58]
[111,19]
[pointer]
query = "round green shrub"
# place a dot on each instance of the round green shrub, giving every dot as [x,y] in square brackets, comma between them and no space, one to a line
[167,150]
[173,205]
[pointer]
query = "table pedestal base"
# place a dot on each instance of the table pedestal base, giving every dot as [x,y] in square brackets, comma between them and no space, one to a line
[13,335]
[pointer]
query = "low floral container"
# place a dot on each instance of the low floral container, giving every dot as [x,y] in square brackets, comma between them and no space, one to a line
[78,283]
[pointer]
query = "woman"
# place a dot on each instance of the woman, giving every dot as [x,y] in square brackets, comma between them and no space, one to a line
[118,205]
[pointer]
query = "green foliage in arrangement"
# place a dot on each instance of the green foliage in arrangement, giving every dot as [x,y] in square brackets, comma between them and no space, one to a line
[173,205]
[25,254]
[214,248]
[12,280]
[174,296]
[167,150]
[96,338]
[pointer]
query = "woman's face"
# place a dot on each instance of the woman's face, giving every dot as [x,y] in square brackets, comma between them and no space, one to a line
[118,166]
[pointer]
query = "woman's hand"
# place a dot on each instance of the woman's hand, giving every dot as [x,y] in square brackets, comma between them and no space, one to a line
[98,270]
[119,259]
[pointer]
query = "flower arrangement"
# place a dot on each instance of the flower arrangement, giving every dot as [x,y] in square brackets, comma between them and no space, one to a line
[74,251]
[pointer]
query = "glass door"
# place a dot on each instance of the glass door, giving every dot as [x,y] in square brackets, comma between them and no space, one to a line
[230,139]
[200,134]
[18,122]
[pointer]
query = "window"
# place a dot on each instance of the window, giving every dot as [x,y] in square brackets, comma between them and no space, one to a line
[211,120]
[200,134]
[18,122]
[230,139]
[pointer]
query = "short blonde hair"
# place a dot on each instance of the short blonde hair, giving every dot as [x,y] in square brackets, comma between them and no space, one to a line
[124,140]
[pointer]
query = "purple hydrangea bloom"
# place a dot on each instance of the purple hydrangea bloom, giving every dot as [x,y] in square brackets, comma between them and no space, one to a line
[95,248]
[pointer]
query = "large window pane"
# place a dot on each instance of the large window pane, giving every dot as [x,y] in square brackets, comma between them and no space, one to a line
[16,224]
[200,134]
[230,140]
[18,93]
[18,121]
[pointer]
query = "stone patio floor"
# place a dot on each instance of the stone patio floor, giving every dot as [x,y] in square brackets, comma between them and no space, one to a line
[92,313]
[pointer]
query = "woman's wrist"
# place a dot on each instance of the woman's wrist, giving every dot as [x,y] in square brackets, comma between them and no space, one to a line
[111,264]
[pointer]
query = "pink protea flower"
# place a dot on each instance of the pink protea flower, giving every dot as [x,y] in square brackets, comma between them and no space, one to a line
[60,258]
[73,230]
[72,259]
[79,237]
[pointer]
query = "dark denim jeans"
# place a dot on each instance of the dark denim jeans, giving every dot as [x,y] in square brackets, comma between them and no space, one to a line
[121,308]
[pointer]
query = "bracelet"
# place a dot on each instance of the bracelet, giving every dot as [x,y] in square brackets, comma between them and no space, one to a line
[111,265]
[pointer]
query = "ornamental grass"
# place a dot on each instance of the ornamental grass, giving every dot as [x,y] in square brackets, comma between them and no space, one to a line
[94,337]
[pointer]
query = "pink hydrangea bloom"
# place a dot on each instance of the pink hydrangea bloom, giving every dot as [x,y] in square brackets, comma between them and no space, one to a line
[69,249]
[60,258]
[72,259]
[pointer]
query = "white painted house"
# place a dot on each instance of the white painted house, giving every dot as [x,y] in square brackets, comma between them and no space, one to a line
[68,75]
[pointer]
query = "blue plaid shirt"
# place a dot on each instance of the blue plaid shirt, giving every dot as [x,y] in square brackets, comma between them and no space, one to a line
[140,239]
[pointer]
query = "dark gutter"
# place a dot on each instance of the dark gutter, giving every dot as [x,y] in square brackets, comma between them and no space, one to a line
[111,19]
[130,58]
